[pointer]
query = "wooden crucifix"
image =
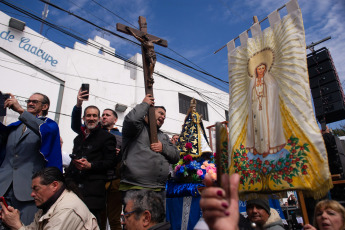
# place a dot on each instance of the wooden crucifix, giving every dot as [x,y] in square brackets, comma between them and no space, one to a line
[149,61]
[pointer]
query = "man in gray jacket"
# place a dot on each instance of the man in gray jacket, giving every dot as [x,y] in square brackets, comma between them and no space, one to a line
[30,144]
[145,165]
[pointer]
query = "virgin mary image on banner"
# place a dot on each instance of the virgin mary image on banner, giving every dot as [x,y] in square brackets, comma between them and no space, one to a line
[265,134]
[275,143]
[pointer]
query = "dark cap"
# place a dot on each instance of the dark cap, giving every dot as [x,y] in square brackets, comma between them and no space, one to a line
[260,202]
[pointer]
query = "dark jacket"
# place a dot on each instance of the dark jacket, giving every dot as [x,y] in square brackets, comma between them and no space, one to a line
[140,165]
[77,126]
[99,149]
[161,226]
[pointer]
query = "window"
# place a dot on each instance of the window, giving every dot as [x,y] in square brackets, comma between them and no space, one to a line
[184,103]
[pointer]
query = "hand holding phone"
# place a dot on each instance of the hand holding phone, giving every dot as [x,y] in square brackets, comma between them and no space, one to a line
[3,98]
[10,217]
[85,87]
[2,200]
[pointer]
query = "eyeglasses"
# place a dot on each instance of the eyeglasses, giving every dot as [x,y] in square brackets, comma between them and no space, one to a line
[33,101]
[126,215]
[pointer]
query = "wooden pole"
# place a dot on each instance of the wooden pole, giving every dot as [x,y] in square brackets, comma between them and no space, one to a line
[303,207]
[148,88]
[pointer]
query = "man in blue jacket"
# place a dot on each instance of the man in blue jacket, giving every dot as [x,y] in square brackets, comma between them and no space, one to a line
[30,144]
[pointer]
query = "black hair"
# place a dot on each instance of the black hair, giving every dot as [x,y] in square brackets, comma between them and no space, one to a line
[113,111]
[50,174]
[92,107]
[162,107]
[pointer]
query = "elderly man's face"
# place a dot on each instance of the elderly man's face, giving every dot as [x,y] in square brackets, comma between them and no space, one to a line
[257,214]
[41,193]
[35,105]
[130,221]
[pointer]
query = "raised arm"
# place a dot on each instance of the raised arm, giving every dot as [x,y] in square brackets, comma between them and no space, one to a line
[77,111]
[76,119]
[134,120]
[220,205]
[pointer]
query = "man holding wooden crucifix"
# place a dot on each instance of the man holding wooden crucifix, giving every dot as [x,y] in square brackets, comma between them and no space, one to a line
[145,165]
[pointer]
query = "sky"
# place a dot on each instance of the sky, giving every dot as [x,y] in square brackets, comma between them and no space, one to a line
[194,29]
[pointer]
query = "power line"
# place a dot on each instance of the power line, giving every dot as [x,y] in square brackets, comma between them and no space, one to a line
[99,80]
[114,14]
[93,44]
[79,38]
[96,96]
[115,34]
[135,65]
[168,58]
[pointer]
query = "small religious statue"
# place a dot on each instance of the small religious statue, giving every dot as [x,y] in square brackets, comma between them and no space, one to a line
[150,53]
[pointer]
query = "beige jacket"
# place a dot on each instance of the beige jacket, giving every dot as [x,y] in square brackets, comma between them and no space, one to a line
[67,213]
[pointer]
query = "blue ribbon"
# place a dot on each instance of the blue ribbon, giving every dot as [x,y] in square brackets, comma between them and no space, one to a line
[174,189]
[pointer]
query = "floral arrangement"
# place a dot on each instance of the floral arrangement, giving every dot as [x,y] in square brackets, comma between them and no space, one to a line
[191,170]
[283,169]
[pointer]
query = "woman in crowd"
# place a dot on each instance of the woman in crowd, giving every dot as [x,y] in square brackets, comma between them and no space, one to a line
[328,215]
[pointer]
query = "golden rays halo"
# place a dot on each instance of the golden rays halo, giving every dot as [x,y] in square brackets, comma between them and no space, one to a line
[279,48]
[263,56]
[282,49]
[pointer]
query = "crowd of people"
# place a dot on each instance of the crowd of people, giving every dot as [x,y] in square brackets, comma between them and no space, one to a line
[109,173]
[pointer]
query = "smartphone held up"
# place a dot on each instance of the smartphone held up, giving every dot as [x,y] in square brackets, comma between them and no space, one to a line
[85,87]
[3,98]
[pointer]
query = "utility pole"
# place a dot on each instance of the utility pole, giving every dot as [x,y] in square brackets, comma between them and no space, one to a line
[44,15]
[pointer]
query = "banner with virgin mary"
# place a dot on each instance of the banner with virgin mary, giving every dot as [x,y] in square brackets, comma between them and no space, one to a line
[274,141]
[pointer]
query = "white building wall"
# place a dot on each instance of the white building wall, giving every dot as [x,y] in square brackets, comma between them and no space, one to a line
[111,81]
[29,63]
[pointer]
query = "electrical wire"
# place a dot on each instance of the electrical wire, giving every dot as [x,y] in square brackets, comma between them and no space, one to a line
[83,40]
[67,32]
[168,59]
[204,71]
[115,34]
[114,14]
[109,52]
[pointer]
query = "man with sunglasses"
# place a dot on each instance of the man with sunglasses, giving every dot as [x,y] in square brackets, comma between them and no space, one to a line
[30,144]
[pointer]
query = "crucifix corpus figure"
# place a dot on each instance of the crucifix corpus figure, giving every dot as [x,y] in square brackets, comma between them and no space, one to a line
[150,53]
[149,60]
